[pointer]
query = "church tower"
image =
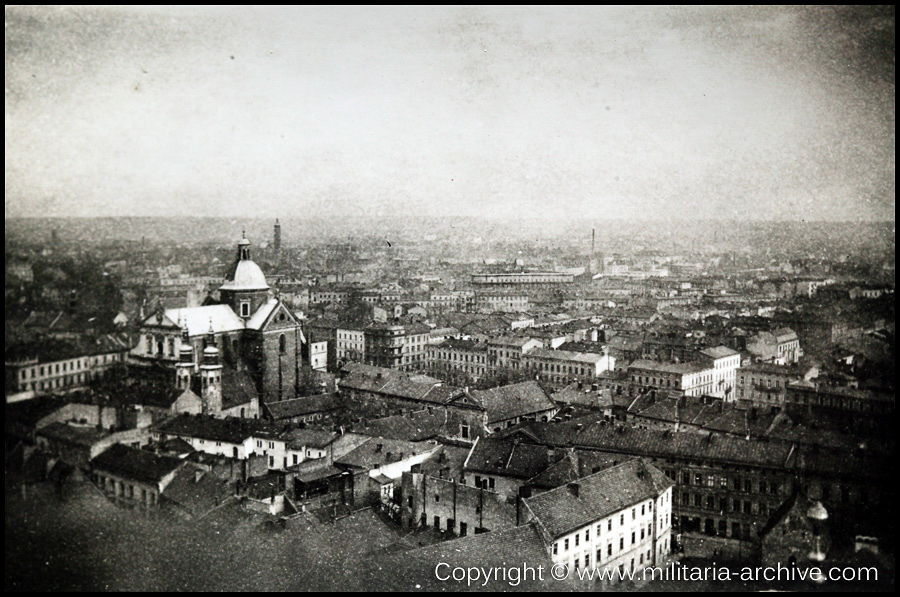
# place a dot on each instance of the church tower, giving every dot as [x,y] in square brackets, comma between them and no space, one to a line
[245,288]
[184,369]
[211,378]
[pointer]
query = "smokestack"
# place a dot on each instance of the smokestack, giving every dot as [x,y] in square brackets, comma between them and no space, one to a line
[591,262]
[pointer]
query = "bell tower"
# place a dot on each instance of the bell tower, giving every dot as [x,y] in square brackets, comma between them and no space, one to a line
[211,377]
[184,369]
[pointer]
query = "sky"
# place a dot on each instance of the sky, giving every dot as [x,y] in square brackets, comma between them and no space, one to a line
[747,113]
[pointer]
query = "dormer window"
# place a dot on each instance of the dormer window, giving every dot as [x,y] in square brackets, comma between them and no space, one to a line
[245,308]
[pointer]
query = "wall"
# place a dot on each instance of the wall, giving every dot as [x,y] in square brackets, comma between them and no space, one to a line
[477,508]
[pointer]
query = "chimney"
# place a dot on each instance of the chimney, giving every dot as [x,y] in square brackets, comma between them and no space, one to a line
[197,476]
[574,489]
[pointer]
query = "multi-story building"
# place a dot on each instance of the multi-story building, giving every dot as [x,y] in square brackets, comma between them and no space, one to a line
[57,366]
[723,362]
[351,343]
[506,302]
[507,352]
[561,367]
[764,383]
[619,519]
[780,346]
[511,280]
[397,346]
[691,379]
[465,356]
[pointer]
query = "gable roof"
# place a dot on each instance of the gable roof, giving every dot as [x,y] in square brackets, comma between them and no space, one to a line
[137,464]
[508,457]
[379,451]
[199,320]
[516,400]
[563,510]
[233,431]
[295,407]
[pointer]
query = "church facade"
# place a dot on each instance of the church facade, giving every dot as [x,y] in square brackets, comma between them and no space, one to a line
[257,339]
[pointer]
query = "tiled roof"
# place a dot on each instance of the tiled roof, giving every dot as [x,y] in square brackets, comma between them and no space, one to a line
[237,388]
[286,409]
[565,355]
[379,451]
[563,510]
[314,438]
[665,444]
[676,368]
[508,457]
[133,463]
[233,431]
[417,426]
[516,400]
[195,490]
[83,435]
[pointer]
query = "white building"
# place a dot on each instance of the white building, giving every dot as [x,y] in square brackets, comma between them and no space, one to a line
[617,519]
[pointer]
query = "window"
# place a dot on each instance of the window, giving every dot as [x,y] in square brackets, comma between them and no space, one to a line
[245,308]
[555,546]
[282,344]
[577,537]
[566,545]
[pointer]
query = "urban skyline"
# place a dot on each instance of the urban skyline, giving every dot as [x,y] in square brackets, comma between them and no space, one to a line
[727,113]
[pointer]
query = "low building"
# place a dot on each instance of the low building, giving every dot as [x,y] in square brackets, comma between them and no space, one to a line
[509,405]
[134,477]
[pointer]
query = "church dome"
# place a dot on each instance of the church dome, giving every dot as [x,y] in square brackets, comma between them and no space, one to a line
[244,273]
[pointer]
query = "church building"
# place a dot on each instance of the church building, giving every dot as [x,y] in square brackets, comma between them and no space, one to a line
[250,334]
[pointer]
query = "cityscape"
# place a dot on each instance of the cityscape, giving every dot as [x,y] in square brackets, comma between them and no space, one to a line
[459,298]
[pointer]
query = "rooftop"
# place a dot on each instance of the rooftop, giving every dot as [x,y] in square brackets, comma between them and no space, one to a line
[589,499]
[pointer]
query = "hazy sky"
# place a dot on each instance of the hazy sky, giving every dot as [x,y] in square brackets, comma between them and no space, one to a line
[762,113]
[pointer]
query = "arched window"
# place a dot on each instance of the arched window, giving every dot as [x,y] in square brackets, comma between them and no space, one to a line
[282,344]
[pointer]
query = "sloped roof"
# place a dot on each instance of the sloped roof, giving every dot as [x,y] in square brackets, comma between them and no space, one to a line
[196,495]
[676,368]
[199,320]
[561,511]
[233,431]
[134,463]
[314,438]
[237,388]
[516,400]
[294,407]
[259,318]
[718,352]
[416,426]
[379,451]
[508,457]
